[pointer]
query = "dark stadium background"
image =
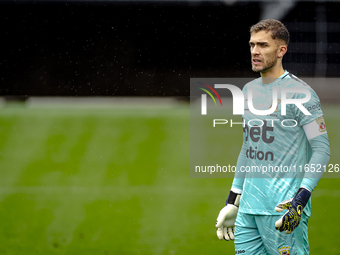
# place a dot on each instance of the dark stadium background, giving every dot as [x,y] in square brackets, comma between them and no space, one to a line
[146,48]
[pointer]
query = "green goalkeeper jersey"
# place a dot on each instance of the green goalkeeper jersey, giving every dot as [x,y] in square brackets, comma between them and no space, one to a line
[275,148]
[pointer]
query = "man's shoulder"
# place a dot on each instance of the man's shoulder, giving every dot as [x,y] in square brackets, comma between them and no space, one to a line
[290,80]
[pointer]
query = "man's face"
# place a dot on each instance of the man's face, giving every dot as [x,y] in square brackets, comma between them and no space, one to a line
[264,51]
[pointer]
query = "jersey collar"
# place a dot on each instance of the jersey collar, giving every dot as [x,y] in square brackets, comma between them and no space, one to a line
[284,75]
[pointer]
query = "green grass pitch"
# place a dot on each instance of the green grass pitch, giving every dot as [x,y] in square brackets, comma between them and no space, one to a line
[117,181]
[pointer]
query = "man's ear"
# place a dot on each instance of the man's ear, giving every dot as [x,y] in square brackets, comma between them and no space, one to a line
[282,51]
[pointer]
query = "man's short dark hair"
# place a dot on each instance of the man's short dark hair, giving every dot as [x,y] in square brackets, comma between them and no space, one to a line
[277,29]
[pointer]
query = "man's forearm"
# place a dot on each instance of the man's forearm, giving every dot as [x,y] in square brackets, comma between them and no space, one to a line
[238,181]
[320,156]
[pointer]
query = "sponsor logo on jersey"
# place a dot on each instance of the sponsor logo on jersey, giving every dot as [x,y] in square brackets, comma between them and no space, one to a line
[321,123]
[240,252]
[313,107]
[284,250]
[255,134]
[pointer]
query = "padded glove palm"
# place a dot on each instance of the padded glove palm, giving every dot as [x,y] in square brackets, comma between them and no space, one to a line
[227,217]
[291,219]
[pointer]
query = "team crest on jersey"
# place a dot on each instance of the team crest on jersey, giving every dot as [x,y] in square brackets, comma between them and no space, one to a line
[274,114]
[277,107]
[321,123]
[284,250]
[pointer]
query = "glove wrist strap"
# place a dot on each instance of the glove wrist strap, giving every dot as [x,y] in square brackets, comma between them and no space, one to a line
[302,196]
[233,198]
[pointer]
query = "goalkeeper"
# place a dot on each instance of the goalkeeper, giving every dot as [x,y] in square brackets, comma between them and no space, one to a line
[269,214]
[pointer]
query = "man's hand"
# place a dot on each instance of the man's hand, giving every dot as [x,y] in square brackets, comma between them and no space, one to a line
[291,219]
[227,217]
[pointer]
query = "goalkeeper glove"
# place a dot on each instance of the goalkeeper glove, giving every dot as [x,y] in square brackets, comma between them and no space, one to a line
[291,219]
[226,219]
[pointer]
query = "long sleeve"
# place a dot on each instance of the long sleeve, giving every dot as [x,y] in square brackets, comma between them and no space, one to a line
[238,181]
[320,156]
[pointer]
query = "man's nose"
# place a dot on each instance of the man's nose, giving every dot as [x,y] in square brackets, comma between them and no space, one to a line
[255,50]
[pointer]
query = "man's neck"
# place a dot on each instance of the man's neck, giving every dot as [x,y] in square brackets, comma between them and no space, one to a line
[272,75]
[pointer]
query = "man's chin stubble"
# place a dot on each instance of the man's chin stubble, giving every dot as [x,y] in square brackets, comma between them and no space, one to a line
[256,70]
